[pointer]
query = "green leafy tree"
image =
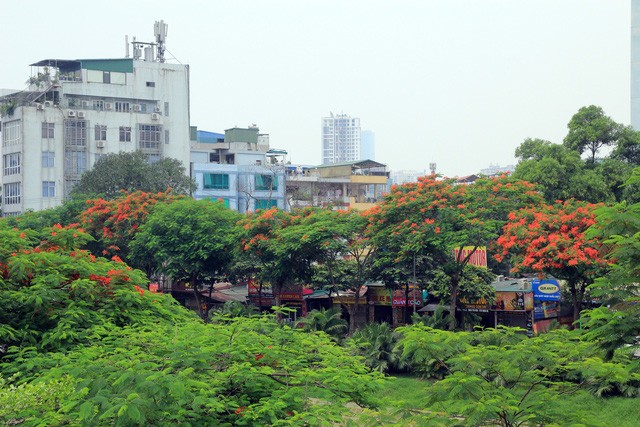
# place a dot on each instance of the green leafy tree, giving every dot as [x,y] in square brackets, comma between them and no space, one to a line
[551,240]
[377,343]
[328,321]
[617,323]
[560,173]
[499,377]
[590,130]
[84,343]
[436,218]
[342,245]
[188,240]
[627,147]
[276,262]
[249,371]
[131,171]
[286,246]
[114,223]
[55,295]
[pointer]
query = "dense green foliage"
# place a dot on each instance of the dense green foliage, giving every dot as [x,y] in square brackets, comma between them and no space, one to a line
[131,171]
[84,342]
[562,173]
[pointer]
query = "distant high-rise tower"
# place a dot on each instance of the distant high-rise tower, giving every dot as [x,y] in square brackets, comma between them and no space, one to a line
[635,64]
[368,145]
[340,139]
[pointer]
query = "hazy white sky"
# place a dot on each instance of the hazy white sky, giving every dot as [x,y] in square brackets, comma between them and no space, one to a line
[457,82]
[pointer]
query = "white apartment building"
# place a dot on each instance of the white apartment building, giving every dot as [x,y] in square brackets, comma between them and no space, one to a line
[340,139]
[75,111]
[239,169]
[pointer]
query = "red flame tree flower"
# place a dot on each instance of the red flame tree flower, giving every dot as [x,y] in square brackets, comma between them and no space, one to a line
[551,239]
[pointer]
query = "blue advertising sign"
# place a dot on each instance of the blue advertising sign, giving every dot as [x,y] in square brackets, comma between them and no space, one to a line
[546,289]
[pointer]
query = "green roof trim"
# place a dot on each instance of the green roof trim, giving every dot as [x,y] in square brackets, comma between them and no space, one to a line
[116,65]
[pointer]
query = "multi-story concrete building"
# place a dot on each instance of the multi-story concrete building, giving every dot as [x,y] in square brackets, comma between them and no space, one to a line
[239,169]
[358,185]
[75,111]
[403,176]
[340,139]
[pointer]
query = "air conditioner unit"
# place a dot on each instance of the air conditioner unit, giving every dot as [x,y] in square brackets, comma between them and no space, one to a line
[108,106]
[155,116]
[136,107]
[100,144]
[81,114]
[48,104]
[71,113]
[39,107]
[157,109]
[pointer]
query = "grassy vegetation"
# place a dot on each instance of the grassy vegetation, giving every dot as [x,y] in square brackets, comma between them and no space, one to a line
[410,394]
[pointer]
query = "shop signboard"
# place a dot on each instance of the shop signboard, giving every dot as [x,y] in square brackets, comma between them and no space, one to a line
[545,309]
[345,299]
[478,257]
[379,296]
[253,289]
[546,289]
[291,296]
[514,301]
[401,298]
[479,305]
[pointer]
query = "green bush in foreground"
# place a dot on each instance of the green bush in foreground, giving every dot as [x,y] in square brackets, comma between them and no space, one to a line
[83,343]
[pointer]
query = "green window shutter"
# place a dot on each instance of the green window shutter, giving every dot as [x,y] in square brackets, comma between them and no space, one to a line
[216,181]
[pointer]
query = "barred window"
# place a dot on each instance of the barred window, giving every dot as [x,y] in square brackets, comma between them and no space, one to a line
[75,132]
[48,189]
[48,130]
[101,132]
[122,107]
[75,162]
[48,159]
[125,134]
[149,136]
[11,164]
[11,193]
[11,133]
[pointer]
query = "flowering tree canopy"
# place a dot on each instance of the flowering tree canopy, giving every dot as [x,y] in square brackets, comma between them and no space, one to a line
[551,239]
[114,223]
[434,218]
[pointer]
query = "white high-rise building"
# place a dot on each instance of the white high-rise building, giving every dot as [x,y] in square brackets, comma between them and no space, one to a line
[340,139]
[75,111]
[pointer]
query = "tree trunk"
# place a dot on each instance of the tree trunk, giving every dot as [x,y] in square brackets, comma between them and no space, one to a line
[353,311]
[455,284]
[276,289]
[194,285]
[577,294]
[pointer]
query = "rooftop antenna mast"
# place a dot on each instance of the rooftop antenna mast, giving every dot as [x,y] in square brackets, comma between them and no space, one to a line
[160,32]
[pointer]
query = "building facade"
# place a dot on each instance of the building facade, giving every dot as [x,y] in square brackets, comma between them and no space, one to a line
[340,139]
[75,111]
[357,185]
[239,169]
